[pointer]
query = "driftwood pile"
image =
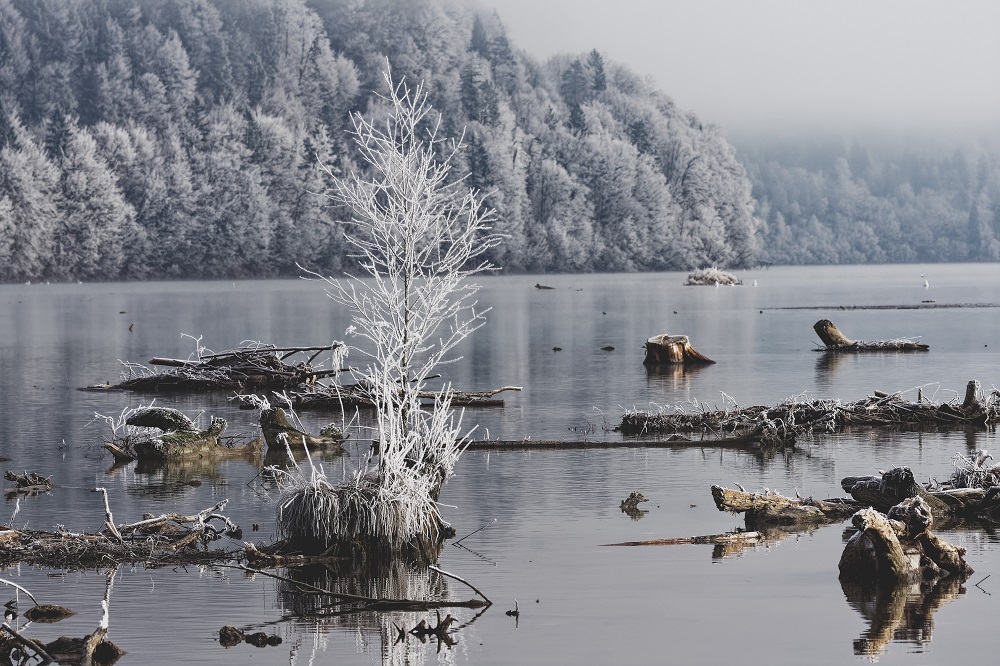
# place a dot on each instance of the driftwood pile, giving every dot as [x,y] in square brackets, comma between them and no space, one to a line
[782,424]
[253,367]
[154,540]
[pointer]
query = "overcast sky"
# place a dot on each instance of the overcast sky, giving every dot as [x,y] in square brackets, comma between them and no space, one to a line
[838,64]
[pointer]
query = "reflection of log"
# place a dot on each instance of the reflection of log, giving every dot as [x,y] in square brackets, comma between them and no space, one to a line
[898,612]
[834,340]
[771,508]
[661,349]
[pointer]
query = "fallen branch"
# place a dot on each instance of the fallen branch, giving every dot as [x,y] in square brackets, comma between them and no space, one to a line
[728,537]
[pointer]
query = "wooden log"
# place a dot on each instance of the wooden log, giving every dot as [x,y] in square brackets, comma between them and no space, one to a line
[775,509]
[664,349]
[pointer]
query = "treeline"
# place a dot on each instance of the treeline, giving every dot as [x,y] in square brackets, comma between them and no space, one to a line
[182,138]
[829,200]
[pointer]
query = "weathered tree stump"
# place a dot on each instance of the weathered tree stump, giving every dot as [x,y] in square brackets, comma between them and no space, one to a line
[830,334]
[898,548]
[664,349]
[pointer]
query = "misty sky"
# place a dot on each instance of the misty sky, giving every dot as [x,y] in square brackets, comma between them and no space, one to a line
[746,64]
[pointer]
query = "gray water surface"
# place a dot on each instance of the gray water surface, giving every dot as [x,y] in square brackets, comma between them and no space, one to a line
[580,602]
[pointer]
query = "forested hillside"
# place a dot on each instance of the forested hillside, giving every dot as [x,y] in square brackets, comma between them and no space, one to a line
[831,200]
[181,138]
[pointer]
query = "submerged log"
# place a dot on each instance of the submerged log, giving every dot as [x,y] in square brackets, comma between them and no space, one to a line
[834,340]
[899,548]
[662,349]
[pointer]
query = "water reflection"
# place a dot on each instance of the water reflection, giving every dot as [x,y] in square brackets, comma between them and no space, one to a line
[904,613]
[673,375]
[413,602]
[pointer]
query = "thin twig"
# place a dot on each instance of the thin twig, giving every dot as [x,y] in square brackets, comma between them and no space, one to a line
[32,597]
[461,580]
[455,543]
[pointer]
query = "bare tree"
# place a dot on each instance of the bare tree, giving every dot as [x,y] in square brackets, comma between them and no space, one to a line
[419,234]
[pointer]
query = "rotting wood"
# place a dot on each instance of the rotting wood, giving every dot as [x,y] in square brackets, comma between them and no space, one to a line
[672,349]
[835,341]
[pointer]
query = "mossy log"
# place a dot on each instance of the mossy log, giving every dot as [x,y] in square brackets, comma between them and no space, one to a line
[180,439]
[672,349]
[834,340]
[898,548]
[774,509]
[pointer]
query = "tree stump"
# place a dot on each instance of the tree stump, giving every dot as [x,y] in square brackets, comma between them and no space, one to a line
[672,349]
[830,334]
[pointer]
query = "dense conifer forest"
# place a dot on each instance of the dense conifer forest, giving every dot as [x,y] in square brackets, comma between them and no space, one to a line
[833,200]
[145,139]
[182,138]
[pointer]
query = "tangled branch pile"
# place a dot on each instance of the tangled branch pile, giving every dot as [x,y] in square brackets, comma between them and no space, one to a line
[783,423]
[254,366]
[156,540]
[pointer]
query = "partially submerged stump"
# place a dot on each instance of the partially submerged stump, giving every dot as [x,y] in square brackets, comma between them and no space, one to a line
[899,548]
[276,428]
[834,340]
[664,349]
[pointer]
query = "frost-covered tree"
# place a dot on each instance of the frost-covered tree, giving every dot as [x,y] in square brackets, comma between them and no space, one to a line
[419,235]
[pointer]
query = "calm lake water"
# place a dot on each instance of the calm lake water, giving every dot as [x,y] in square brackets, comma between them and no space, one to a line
[580,602]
